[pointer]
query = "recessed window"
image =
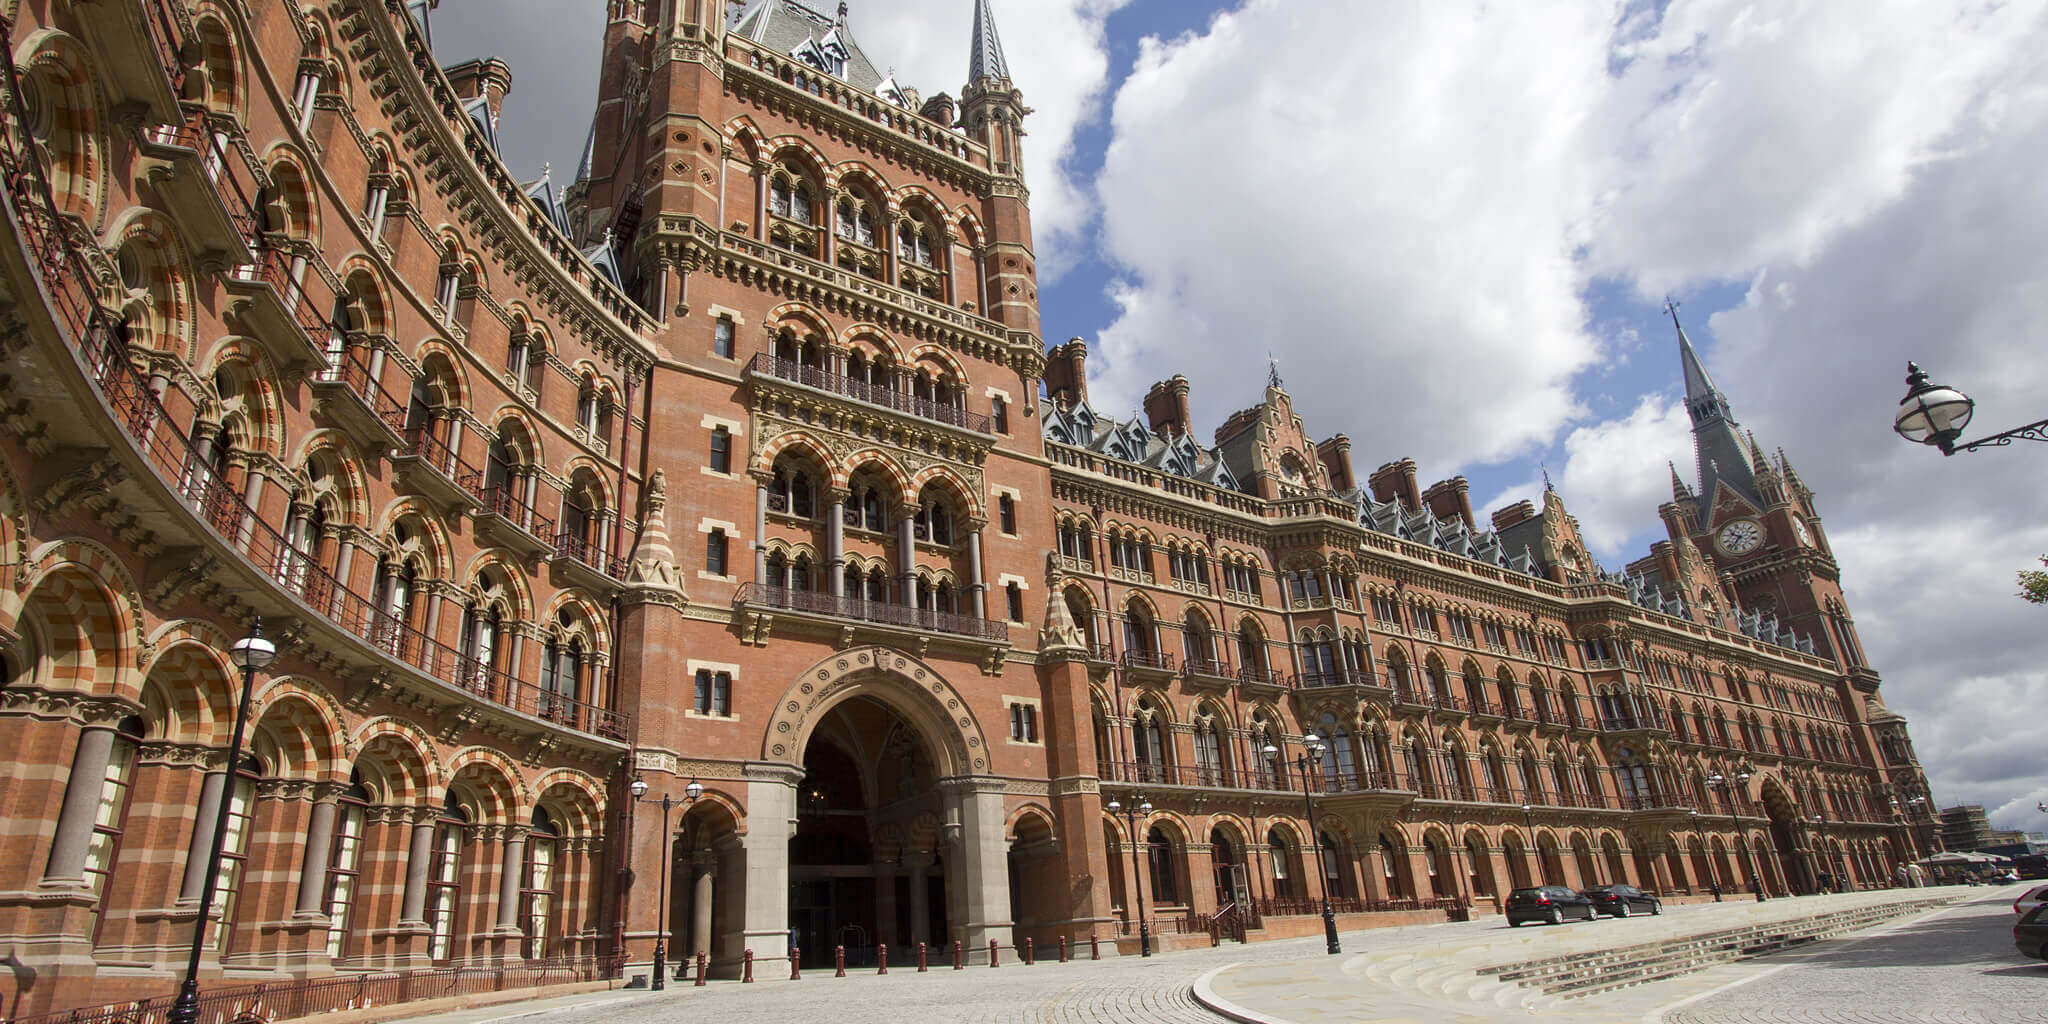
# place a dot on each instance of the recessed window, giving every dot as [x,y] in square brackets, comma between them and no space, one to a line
[1014,594]
[722,334]
[1000,411]
[714,553]
[1023,722]
[1006,512]
[721,450]
[714,693]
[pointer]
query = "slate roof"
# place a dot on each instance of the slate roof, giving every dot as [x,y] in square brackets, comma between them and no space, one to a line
[1130,441]
[802,31]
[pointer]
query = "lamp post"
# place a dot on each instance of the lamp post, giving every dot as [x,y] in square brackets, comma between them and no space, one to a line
[251,654]
[1130,815]
[1935,414]
[690,794]
[1713,869]
[1535,862]
[1313,748]
[1720,782]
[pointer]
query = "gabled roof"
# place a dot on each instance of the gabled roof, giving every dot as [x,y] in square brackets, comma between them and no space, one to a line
[1130,441]
[542,192]
[808,34]
[604,257]
[479,111]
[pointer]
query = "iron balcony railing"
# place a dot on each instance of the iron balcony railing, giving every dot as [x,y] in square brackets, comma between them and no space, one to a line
[180,466]
[503,501]
[578,547]
[878,612]
[1147,773]
[1157,660]
[1333,677]
[766,365]
[351,370]
[421,444]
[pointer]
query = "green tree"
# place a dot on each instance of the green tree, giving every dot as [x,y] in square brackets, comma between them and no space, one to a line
[2034,583]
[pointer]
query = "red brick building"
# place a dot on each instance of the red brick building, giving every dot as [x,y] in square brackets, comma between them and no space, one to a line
[742,460]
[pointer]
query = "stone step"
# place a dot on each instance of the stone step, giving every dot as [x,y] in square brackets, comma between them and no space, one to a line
[1576,975]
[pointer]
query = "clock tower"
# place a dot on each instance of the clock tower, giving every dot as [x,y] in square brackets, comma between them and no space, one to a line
[1756,521]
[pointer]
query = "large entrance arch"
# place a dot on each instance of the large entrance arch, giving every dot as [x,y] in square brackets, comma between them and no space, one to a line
[898,833]
[1788,836]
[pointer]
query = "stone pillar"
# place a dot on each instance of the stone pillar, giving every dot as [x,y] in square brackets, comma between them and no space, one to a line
[319,846]
[835,541]
[508,880]
[885,904]
[976,583]
[702,874]
[976,802]
[252,498]
[771,814]
[81,804]
[906,556]
[202,835]
[1075,791]
[760,532]
[414,908]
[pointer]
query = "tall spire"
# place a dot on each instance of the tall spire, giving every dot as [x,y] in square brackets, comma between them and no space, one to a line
[1724,456]
[985,58]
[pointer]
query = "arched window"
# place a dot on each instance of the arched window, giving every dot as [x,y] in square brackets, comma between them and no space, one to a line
[107,788]
[1208,752]
[234,855]
[1165,880]
[1148,740]
[1336,880]
[537,892]
[1285,884]
[344,860]
[1390,870]
[1251,649]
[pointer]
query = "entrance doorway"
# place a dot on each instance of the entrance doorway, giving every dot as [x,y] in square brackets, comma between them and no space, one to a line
[1787,828]
[866,862]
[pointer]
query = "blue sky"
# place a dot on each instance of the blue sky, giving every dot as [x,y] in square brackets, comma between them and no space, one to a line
[1454,223]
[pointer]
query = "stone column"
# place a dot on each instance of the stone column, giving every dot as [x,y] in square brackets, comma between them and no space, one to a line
[202,835]
[906,556]
[252,497]
[319,847]
[508,879]
[414,904]
[760,532]
[975,581]
[81,804]
[835,540]
[920,865]
[702,874]
[771,813]
[976,802]
[885,904]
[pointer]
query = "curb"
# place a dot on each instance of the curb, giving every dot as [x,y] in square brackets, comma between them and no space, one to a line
[1206,995]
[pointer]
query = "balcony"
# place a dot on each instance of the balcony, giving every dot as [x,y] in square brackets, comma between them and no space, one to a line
[895,617]
[1202,673]
[350,397]
[138,46]
[503,517]
[202,181]
[766,365]
[1145,773]
[1348,684]
[587,563]
[274,309]
[428,467]
[1625,724]
[1260,681]
[1148,663]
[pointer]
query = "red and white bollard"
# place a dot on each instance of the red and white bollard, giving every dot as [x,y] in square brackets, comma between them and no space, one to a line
[882,958]
[747,969]
[920,958]
[839,961]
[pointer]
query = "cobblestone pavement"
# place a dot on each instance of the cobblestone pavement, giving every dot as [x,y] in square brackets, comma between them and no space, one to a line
[1955,967]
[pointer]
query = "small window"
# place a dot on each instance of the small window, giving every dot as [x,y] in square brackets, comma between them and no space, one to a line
[721,450]
[1000,411]
[1015,595]
[721,694]
[1006,508]
[722,334]
[703,702]
[714,553]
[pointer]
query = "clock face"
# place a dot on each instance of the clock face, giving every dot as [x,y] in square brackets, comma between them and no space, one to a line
[1799,527]
[1741,537]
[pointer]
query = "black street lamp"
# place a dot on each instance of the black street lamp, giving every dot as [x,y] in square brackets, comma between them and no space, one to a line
[1936,414]
[1713,869]
[251,654]
[1727,789]
[690,794]
[1130,815]
[1313,748]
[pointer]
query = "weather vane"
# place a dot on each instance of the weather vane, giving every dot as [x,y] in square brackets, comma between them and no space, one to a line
[1272,370]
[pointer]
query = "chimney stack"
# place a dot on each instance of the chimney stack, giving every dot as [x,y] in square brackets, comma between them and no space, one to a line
[1519,512]
[1450,499]
[1395,481]
[1166,407]
[1335,454]
[488,77]
[1066,373]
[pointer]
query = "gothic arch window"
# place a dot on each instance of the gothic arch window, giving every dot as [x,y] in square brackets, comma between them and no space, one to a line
[1148,739]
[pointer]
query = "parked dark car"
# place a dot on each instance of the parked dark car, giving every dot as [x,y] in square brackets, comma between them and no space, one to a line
[1548,903]
[1623,900]
[2031,933]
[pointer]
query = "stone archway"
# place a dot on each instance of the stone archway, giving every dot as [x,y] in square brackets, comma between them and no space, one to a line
[899,835]
[1795,867]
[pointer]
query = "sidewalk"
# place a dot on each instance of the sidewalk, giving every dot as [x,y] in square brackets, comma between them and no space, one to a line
[1435,977]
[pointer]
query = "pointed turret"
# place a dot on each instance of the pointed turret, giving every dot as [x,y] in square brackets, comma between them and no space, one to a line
[985,55]
[1723,455]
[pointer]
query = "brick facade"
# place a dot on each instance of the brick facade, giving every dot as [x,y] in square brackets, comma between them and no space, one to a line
[741,460]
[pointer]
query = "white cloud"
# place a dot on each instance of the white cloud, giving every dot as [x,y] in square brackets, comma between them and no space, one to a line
[1056,51]
[1410,209]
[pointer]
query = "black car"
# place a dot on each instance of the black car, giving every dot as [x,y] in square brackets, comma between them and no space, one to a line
[2031,933]
[1550,903]
[1623,900]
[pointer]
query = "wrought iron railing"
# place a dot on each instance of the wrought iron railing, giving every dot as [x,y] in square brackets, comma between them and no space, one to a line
[768,365]
[351,370]
[1260,676]
[578,547]
[1158,660]
[1147,773]
[1333,677]
[879,612]
[422,444]
[505,502]
[96,335]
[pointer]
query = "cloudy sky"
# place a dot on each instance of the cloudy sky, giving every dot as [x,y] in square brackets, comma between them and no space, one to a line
[1454,223]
